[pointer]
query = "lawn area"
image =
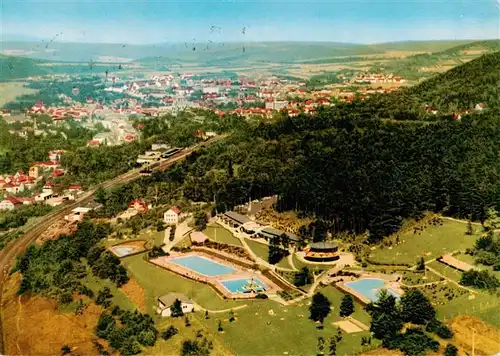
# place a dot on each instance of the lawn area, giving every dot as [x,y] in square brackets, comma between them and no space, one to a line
[174,344]
[485,306]
[119,298]
[259,249]
[288,331]
[445,270]
[217,233]
[430,243]
[414,278]
[157,282]
[262,250]
[10,91]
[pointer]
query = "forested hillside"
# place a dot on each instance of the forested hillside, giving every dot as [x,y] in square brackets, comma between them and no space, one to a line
[460,88]
[19,67]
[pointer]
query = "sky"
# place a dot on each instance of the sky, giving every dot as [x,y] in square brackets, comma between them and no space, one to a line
[157,21]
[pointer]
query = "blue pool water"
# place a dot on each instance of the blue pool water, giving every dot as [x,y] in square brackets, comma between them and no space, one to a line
[203,265]
[370,287]
[236,285]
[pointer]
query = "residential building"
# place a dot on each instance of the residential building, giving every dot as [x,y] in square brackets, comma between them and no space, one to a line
[138,205]
[172,215]
[166,302]
[9,203]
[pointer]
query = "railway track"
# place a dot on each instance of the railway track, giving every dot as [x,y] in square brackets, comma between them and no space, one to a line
[14,248]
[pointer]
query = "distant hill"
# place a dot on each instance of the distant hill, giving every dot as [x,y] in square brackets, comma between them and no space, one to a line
[426,64]
[13,67]
[420,46]
[258,52]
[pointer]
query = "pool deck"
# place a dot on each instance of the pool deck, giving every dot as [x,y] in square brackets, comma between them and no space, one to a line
[391,282]
[215,281]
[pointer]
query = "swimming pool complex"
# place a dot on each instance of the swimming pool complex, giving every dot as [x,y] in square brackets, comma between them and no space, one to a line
[370,288]
[203,266]
[238,285]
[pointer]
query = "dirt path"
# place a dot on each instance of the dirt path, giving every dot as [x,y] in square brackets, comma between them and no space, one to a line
[18,330]
[221,311]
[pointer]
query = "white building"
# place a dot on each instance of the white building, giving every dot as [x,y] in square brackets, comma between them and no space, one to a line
[171,216]
[165,304]
[211,90]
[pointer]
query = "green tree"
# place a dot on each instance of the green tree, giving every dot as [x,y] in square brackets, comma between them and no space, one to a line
[469,230]
[416,308]
[65,349]
[200,220]
[386,320]
[450,350]
[346,306]
[104,297]
[176,309]
[196,347]
[420,264]
[169,332]
[332,347]
[321,345]
[320,307]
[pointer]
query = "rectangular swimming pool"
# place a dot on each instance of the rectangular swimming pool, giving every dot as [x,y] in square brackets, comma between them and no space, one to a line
[238,285]
[203,265]
[370,287]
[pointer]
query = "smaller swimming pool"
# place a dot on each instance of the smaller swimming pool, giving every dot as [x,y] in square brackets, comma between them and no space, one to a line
[370,287]
[238,285]
[123,250]
[203,265]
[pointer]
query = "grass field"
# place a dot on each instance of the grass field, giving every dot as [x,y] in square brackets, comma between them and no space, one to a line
[445,270]
[430,243]
[217,233]
[10,91]
[157,282]
[287,331]
[262,251]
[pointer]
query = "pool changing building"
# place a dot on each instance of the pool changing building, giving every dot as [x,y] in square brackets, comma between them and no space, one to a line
[322,252]
[165,304]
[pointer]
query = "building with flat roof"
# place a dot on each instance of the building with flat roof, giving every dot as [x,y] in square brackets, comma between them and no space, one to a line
[322,252]
[234,219]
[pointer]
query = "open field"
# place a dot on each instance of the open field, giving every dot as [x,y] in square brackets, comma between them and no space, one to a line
[10,91]
[157,282]
[217,233]
[173,345]
[487,339]
[432,242]
[262,250]
[287,331]
[27,321]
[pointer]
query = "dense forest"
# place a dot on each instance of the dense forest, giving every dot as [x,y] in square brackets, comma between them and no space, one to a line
[341,165]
